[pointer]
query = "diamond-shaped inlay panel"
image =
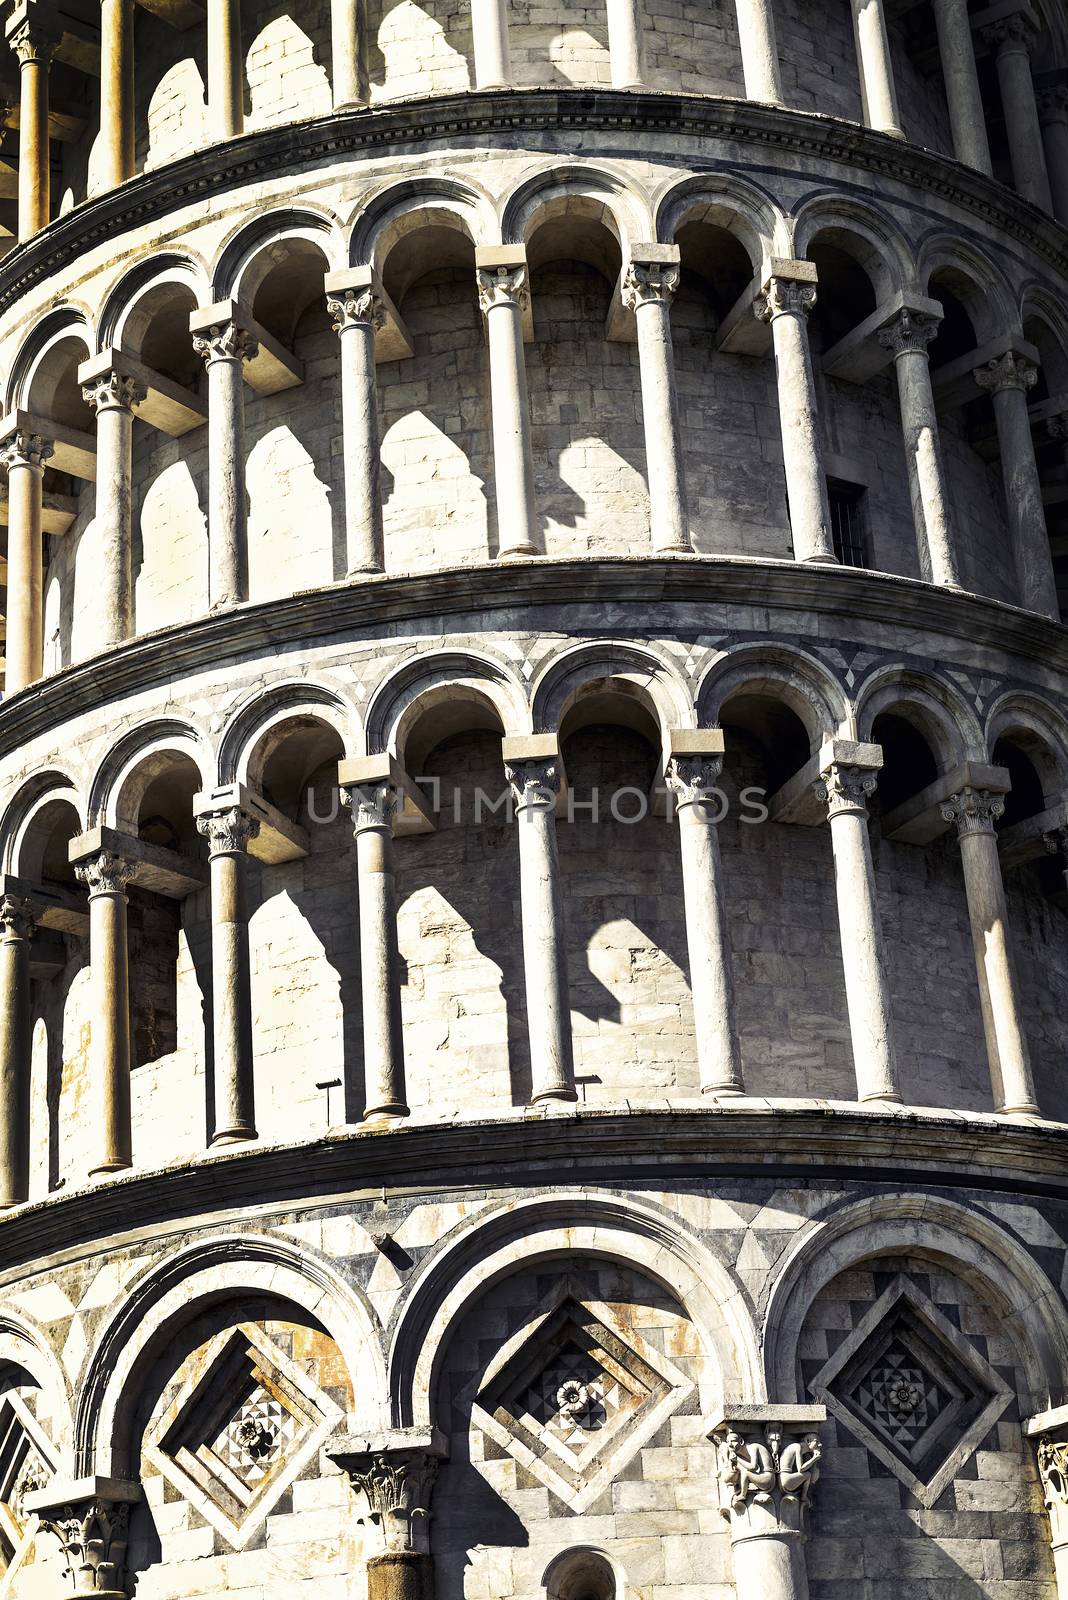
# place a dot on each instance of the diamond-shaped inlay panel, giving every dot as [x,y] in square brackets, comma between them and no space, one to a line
[573,1395]
[243,1427]
[27,1462]
[912,1389]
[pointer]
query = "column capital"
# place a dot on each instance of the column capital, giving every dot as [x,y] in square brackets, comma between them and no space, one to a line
[220,333]
[1052,102]
[228,832]
[16,917]
[113,391]
[768,1464]
[1056,842]
[23,449]
[973,810]
[1017,31]
[534,770]
[849,772]
[1057,427]
[396,1473]
[354,299]
[788,289]
[501,276]
[909,332]
[91,1520]
[1049,1431]
[651,276]
[373,805]
[691,778]
[32,38]
[104,873]
[1009,371]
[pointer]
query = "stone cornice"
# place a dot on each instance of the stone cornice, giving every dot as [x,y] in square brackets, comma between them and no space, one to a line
[372,606]
[781,1141]
[480,117]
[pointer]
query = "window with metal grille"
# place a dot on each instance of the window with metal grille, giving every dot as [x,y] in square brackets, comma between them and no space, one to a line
[848,521]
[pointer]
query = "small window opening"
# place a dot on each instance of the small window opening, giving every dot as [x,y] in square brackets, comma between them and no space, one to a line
[848,522]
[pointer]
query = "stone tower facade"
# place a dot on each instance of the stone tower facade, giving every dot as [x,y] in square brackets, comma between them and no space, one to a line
[534,800]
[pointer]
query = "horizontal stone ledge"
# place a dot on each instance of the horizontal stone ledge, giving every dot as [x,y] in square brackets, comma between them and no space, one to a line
[581,1149]
[367,607]
[254,158]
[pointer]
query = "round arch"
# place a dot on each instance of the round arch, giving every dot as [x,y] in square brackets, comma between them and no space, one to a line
[742,209]
[654,681]
[982,288]
[268,709]
[940,710]
[491,1247]
[44,358]
[624,209]
[909,1222]
[112,795]
[402,208]
[232,277]
[865,232]
[170,1293]
[129,303]
[16,824]
[802,682]
[23,1344]
[426,680]
[1014,712]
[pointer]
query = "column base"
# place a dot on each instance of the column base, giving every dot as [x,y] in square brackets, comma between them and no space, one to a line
[828,560]
[516,550]
[1019,1111]
[890,1099]
[106,1167]
[683,549]
[724,1091]
[238,1135]
[372,569]
[554,1096]
[388,1113]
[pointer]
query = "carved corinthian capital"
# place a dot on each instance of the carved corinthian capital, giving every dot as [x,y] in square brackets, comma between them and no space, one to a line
[16,918]
[1015,32]
[32,44]
[692,779]
[104,873]
[502,286]
[648,282]
[91,1520]
[372,805]
[535,784]
[1010,371]
[356,308]
[767,1469]
[114,391]
[973,810]
[910,333]
[225,341]
[844,789]
[784,297]
[228,832]
[395,1474]
[26,450]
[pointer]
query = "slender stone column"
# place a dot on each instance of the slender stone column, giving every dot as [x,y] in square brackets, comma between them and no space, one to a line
[225,346]
[1007,381]
[691,779]
[113,397]
[849,773]
[16,1046]
[876,68]
[355,303]
[768,1466]
[24,456]
[226,69]
[625,43]
[1053,116]
[1010,39]
[503,294]
[787,297]
[908,336]
[229,834]
[535,783]
[974,812]
[117,124]
[489,28]
[394,1475]
[760,52]
[106,876]
[966,115]
[649,285]
[348,26]
[33,46]
[373,808]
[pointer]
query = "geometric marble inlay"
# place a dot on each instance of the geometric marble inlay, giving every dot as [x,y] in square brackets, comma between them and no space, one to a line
[913,1390]
[574,1394]
[27,1462]
[243,1427]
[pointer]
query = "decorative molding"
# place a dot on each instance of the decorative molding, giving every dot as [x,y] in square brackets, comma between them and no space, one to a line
[973,810]
[228,832]
[226,341]
[766,1474]
[910,333]
[114,391]
[646,282]
[26,450]
[374,806]
[395,1474]
[105,874]
[16,917]
[32,44]
[534,783]
[692,779]
[502,286]
[356,308]
[1010,371]
[785,297]
[846,789]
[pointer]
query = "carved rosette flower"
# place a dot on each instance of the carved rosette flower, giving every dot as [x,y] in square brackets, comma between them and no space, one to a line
[356,308]
[649,282]
[26,450]
[502,286]
[114,391]
[226,341]
[785,297]
[846,789]
[373,806]
[973,810]
[1010,371]
[534,784]
[16,918]
[692,779]
[910,333]
[766,1477]
[94,1536]
[105,873]
[398,1487]
[228,832]
[1053,1473]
